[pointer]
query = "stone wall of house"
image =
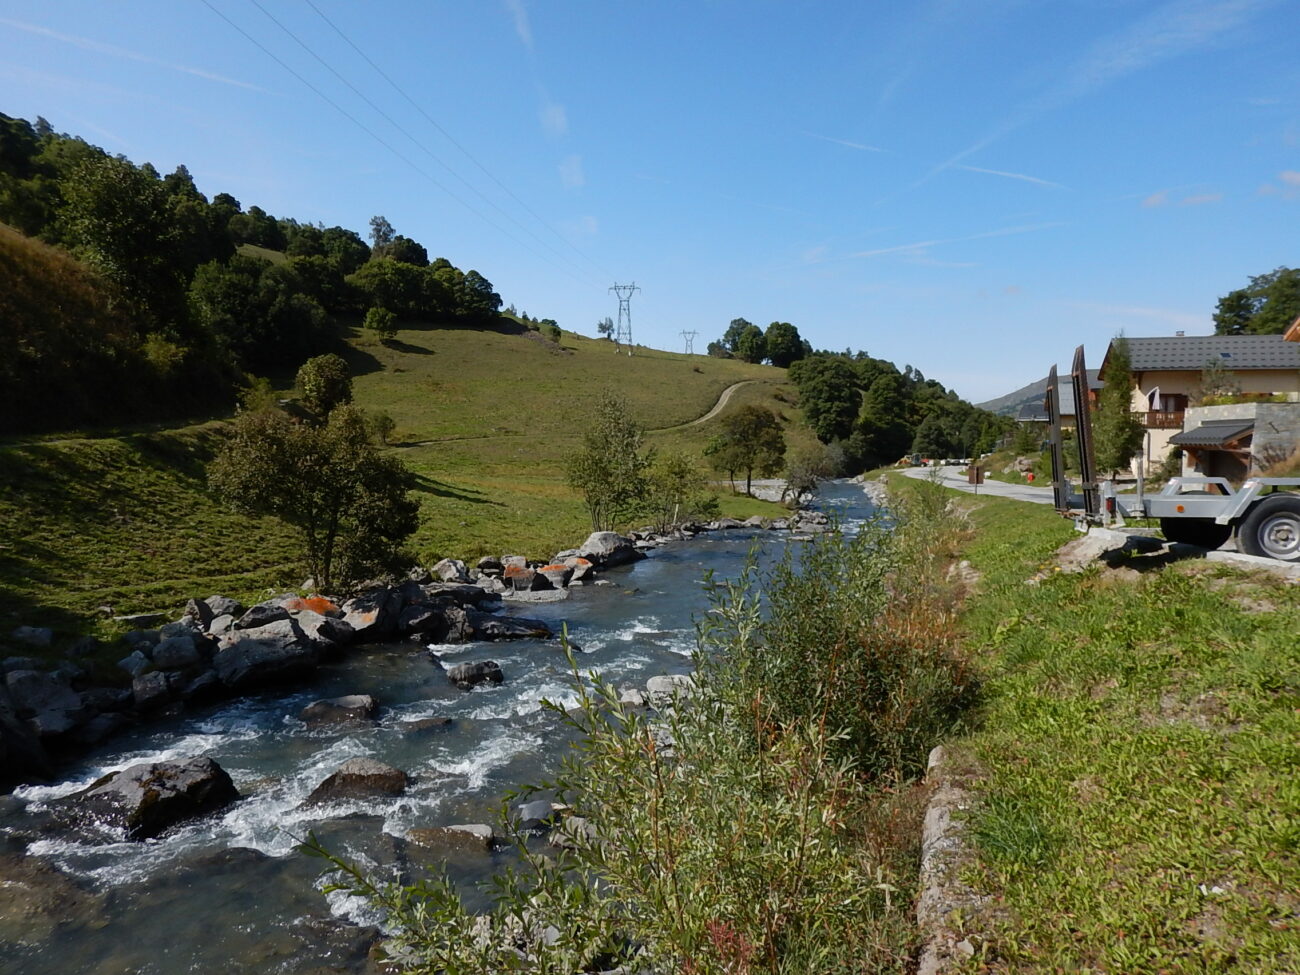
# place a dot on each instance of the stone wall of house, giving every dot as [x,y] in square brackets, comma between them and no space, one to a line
[1277,429]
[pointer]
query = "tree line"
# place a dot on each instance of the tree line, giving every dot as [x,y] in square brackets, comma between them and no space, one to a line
[187,303]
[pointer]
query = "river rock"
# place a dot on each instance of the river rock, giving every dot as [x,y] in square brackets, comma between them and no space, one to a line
[459,838]
[261,615]
[609,548]
[176,653]
[36,636]
[424,619]
[327,632]
[21,752]
[339,710]
[221,625]
[360,778]
[200,612]
[204,688]
[484,626]
[462,594]
[50,706]
[489,566]
[373,615]
[424,726]
[665,690]
[225,606]
[572,832]
[535,815]
[99,728]
[469,675]
[107,698]
[153,689]
[11,664]
[146,799]
[579,567]
[523,579]
[276,652]
[451,570]
[557,575]
[518,561]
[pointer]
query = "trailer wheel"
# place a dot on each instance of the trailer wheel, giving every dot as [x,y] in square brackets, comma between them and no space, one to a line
[1201,532]
[1271,528]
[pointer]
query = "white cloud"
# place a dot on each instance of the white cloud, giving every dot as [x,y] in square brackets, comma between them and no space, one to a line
[585,226]
[555,120]
[98,47]
[571,174]
[1200,199]
[522,27]
[1156,199]
[814,255]
[1290,177]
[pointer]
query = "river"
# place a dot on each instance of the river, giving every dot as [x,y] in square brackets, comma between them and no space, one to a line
[228,894]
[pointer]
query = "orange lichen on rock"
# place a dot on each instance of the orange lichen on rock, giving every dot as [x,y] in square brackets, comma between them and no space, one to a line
[317,604]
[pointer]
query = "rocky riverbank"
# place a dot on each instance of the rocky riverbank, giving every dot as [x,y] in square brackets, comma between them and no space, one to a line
[52,711]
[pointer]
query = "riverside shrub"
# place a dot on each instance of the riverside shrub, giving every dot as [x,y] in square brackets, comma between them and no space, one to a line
[760,823]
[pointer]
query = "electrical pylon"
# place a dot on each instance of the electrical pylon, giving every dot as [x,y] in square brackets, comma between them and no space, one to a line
[690,341]
[623,336]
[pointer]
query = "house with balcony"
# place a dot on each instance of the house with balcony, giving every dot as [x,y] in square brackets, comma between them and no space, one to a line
[1167,374]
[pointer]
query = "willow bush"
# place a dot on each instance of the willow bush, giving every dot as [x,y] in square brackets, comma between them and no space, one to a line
[761,823]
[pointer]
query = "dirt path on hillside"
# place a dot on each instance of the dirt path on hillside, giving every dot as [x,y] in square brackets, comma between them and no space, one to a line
[718,407]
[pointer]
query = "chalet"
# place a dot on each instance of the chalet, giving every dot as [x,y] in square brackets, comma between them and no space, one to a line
[1167,373]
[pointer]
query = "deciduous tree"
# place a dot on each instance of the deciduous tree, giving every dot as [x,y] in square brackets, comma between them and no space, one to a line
[348,501]
[325,383]
[750,441]
[610,468]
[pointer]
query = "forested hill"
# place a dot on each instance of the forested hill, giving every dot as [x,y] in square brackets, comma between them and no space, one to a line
[125,294]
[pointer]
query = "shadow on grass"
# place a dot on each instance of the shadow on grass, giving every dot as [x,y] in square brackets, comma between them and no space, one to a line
[440,489]
[397,345]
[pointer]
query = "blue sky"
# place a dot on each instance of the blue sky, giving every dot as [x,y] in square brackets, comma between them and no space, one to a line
[972,187]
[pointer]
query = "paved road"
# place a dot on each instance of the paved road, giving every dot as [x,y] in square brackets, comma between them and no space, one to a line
[954,477]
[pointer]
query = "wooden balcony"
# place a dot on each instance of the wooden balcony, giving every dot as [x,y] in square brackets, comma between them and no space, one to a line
[1160,420]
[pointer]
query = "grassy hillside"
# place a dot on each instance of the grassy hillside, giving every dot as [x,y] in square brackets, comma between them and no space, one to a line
[484,418]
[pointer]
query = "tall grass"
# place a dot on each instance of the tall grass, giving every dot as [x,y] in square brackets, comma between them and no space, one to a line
[761,822]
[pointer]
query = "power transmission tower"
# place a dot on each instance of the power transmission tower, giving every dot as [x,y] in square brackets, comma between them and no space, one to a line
[624,334]
[690,341]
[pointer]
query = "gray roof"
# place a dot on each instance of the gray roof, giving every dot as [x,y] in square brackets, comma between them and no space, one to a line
[1234,352]
[1214,433]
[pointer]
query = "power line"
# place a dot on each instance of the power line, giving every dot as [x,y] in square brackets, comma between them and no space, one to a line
[448,136]
[402,129]
[383,142]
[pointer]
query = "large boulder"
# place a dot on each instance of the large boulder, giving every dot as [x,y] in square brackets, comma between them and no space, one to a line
[21,752]
[50,706]
[609,548]
[261,615]
[485,626]
[373,615]
[557,575]
[270,654]
[177,653]
[360,778]
[339,710]
[451,570]
[146,799]
[327,632]
[523,579]
[155,689]
[225,606]
[579,568]
[469,675]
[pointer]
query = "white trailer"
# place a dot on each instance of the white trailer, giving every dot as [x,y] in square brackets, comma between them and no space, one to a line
[1203,511]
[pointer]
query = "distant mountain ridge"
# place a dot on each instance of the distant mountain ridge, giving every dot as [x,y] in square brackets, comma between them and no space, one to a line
[1009,405]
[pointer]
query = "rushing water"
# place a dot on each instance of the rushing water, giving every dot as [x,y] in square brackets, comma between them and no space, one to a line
[228,894]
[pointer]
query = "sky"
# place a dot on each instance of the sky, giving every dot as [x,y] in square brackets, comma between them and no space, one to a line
[970,187]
